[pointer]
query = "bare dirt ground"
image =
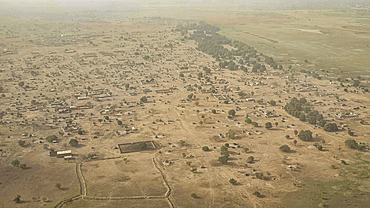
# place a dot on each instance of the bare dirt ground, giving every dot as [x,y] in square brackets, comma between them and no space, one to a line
[88,76]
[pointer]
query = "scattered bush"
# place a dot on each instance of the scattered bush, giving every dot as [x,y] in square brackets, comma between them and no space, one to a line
[257,194]
[15,163]
[194,195]
[250,159]
[305,135]
[51,138]
[17,199]
[268,125]
[73,142]
[233,181]
[331,127]
[284,148]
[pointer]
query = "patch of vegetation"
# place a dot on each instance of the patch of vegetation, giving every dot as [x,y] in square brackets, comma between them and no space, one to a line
[233,181]
[331,127]
[73,142]
[284,148]
[305,135]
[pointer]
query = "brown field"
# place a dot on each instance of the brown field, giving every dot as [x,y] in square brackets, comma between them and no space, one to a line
[90,75]
[118,178]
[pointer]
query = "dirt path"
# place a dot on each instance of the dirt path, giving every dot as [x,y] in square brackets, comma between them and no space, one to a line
[191,133]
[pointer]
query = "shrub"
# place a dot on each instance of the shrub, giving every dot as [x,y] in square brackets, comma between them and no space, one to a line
[331,127]
[223,159]
[268,125]
[233,181]
[15,163]
[257,194]
[73,142]
[319,147]
[51,138]
[284,148]
[21,143]
[260,176]
[144,99]
[22,165]
[17,199]
[232,113]
[194,195]
[305,135]
[250,159]
[205,148]
[248,120]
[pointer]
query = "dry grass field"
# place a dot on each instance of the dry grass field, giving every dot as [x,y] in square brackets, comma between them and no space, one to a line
[136,79]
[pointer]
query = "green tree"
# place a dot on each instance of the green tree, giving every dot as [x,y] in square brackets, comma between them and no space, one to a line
[272,102]
[190,96]
[233,181]
[248,120]
[21,143]
[144,99]
[319,147]
[80,132]
[260,175]
[268,125]
[331,127]
[205,148]
[73,142]
[257,194]
[284,148]
[213,111]
[255,124]
[223,159]
[22,165]
[106,118]
[15,163]
[119,122]
[17,199]
[51,138]
[181,75]
[90,155]
[295,132]
[305,135]
[351,143]
[250,159]
[194,195]
[58,185]
[232,113]
[295,142]
[350,133]
[276,123]
[21,84]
